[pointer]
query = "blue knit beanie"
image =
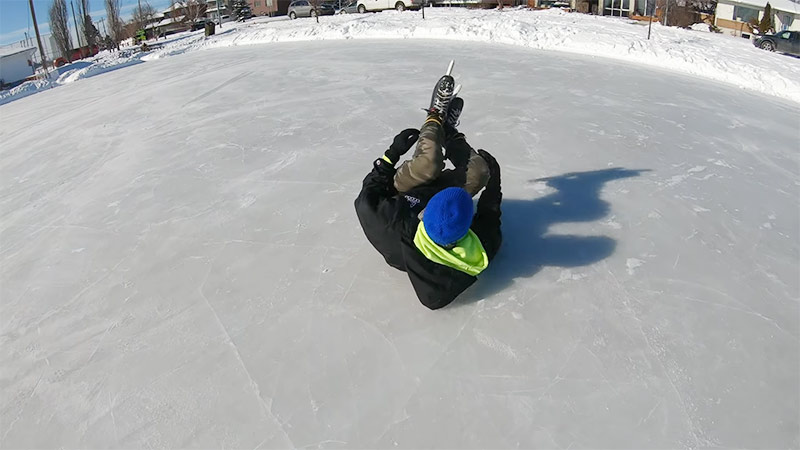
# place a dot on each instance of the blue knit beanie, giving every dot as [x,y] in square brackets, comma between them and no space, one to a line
[448,216]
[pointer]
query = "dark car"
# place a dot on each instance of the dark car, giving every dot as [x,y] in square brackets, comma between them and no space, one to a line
[782,41]
[199,25]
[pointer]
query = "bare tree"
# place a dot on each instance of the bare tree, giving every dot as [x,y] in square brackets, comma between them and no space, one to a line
[58,26]
[89,30]
[142,14]
[194,10]
[115,24]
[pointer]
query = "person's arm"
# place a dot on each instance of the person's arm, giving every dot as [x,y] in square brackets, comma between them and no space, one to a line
[486,223]
[379,183]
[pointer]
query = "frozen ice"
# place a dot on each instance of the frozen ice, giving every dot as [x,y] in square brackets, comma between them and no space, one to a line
[182,265]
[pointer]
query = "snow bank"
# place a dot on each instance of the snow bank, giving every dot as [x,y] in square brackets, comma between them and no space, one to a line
[103,62]
[716,57]
[722,58]
[24,90]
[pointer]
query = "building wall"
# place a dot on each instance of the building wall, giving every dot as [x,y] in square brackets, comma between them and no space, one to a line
[724,11]
[263,7]
[14,68]
[269,7]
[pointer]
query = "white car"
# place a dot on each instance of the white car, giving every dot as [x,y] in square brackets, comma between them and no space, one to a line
[380,5]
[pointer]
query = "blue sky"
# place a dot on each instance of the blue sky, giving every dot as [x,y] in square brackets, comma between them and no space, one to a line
[15,16]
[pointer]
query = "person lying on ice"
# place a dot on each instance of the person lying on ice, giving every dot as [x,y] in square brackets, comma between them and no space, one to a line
[420,217]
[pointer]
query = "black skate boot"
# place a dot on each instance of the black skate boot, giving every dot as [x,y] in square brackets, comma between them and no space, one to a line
[454,112]
[440,100]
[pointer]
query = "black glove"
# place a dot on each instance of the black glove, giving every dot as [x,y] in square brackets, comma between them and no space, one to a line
[458,151]
[494,169]
[458,155]
[402,144]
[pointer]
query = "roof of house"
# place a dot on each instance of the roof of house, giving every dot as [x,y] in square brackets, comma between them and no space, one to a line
[9,51]
[170,21]
[780,5]
[174,7]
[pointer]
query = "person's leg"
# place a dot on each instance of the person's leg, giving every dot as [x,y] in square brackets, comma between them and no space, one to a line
[428,160]
[477,170]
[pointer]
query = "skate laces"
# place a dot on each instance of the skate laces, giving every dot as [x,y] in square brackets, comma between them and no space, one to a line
[441,100]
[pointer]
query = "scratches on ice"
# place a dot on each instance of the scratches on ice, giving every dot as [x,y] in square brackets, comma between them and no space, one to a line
[266,410]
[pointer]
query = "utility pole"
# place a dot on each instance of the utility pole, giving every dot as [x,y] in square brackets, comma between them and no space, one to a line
[219,16]
[75,20]
[140,25]
[666,13]
[39,39]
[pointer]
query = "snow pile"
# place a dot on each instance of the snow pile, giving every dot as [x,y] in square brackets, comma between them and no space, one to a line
[700,27]
[708,55]
[717,57]
[103,62]
[24,90]
[106,63]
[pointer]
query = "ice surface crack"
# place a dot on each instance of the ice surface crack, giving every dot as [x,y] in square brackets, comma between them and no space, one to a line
[256,390]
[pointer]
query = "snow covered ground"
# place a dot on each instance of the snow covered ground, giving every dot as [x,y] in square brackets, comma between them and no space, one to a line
[182,265]
[722,58]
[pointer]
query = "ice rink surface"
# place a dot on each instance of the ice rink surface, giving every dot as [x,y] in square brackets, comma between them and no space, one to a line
[182,265]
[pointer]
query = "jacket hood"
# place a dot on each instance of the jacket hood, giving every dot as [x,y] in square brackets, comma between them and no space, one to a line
[468,254]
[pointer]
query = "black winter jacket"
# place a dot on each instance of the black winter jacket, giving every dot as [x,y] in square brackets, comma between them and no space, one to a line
[390,221]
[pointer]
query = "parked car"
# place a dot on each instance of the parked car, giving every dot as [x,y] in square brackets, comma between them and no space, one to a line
[783,41]
[350,8]
[303,8]
[199,25]
[380,5]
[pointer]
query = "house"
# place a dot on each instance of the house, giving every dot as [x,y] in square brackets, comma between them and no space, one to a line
[269,7]
[217,8]
[150,23]
[178,17]
[733,16]
[471,3]
[617,8]
[16,64]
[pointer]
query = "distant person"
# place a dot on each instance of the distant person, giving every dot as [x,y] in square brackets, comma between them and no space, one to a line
[420,217]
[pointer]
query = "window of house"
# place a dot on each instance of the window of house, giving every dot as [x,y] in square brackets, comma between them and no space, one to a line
[786,21]
[644,8]
[256,4]
[745,14]
[619,8]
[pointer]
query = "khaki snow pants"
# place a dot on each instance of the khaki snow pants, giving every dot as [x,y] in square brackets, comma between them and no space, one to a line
[427,164]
